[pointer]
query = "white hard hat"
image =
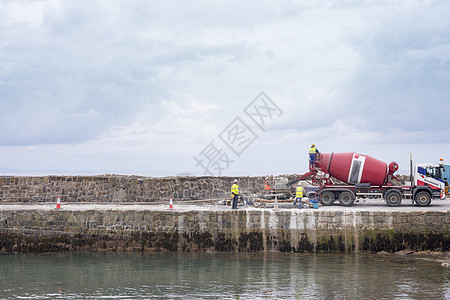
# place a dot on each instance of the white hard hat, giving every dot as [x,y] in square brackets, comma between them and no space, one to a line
[235,180]
[299,183]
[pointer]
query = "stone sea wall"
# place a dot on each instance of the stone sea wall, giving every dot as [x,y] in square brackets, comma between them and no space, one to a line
[119,188]
[253,230]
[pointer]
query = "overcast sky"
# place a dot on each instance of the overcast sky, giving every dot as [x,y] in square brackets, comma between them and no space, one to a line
[154,87]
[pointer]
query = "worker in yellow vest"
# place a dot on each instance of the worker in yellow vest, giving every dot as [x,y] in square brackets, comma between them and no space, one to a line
[313,152]
[235,194]
[299,195]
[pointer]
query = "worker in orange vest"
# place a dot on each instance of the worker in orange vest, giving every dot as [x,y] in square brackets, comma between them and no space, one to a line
[267,185]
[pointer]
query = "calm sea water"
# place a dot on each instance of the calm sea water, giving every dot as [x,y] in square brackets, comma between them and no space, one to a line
[220,276]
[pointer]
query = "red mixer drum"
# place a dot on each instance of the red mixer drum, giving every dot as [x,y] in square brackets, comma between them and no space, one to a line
[353,168]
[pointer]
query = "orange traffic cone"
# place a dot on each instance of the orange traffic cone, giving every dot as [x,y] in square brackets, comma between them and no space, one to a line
[171,203]
[58,203]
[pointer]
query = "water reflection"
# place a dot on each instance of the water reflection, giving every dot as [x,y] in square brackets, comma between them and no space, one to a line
[220,276]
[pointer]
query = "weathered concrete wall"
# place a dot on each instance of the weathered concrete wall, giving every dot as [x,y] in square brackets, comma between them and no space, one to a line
[254,230]
[117,188]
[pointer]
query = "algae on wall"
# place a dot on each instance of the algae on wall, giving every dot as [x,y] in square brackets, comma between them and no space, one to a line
[391,241]
[256,230]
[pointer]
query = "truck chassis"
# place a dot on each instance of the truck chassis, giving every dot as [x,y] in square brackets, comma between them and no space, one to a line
[393,195]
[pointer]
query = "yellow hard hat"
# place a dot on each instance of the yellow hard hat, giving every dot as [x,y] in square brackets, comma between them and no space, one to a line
[313,145]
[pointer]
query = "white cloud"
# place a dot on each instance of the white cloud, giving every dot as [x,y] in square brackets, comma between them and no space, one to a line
[143,87]
[86,114]
[25,13]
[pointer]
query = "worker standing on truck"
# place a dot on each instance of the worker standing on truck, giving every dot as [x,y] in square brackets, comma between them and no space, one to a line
[299,195]
[313,152]
[235,194]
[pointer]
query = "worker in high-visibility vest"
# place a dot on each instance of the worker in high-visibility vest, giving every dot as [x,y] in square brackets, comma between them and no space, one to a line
[313,152]
[299,195]
[235,194]
[446,188]
[267,185]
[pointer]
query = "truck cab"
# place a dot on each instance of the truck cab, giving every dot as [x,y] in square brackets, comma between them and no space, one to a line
[432,177]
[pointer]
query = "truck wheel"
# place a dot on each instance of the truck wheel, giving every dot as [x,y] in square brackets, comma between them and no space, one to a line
[346,198]
[327,198]
[393,198]
[311,195]
[423,199]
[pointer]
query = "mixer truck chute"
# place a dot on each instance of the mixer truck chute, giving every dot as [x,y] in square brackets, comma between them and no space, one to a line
[365,177]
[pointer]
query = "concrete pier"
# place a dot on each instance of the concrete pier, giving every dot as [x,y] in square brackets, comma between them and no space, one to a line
[370,226]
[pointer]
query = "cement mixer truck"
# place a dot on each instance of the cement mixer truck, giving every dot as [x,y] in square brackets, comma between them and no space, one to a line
[365,177]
